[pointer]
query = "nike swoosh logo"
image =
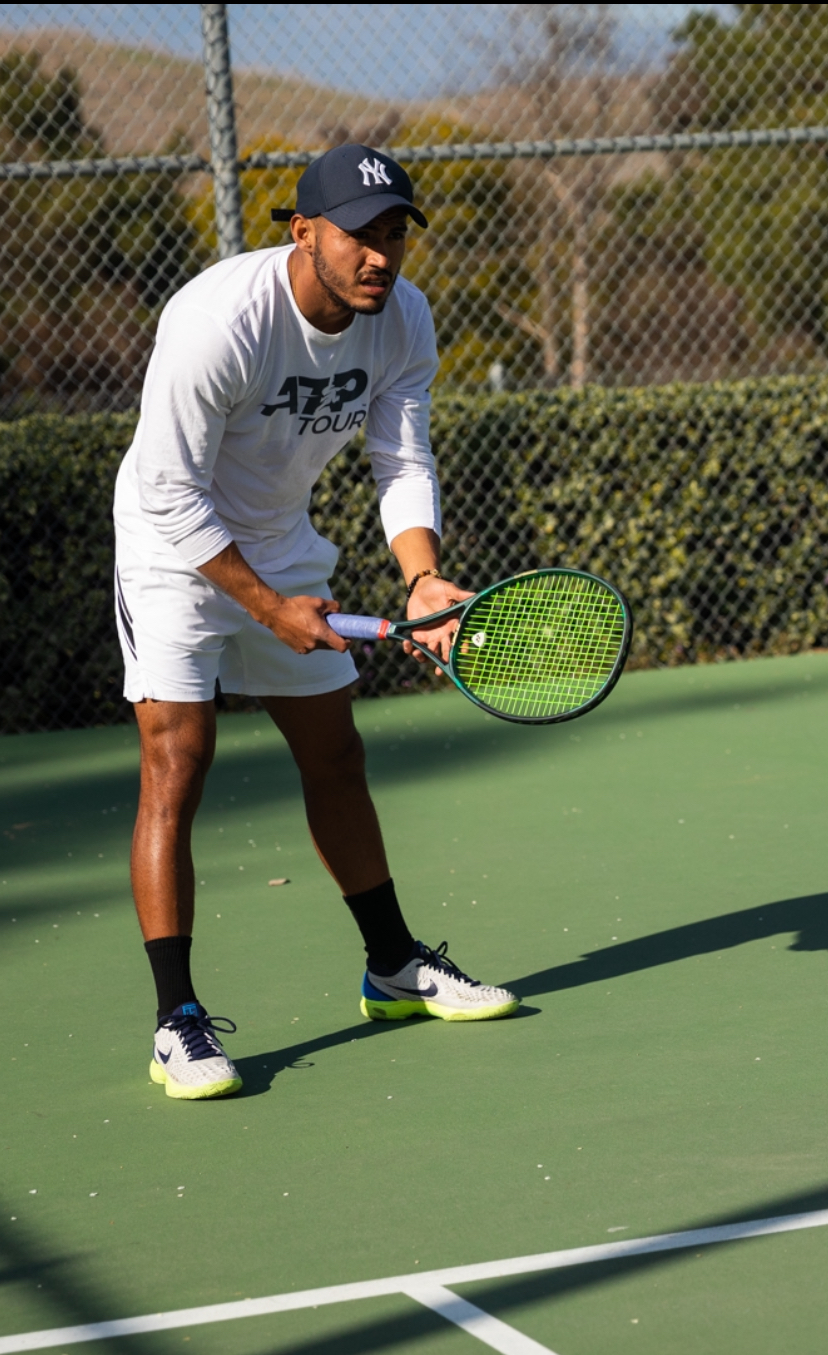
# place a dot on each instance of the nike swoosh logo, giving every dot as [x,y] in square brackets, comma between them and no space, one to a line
[165,1058]
[418,992]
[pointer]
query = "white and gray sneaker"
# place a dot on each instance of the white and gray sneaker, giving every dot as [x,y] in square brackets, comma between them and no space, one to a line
[429,984]
[188,1058]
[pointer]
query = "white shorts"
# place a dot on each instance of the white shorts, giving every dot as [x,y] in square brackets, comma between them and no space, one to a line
[179,633]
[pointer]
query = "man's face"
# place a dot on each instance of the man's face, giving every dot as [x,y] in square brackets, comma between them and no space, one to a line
[358,268]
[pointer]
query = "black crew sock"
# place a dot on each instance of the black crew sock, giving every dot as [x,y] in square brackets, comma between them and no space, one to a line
[387,939]
[170,960]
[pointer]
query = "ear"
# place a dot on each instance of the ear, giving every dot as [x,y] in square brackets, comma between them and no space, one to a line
[304,232]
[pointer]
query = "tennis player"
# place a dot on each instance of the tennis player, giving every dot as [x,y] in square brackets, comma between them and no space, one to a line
[264,367]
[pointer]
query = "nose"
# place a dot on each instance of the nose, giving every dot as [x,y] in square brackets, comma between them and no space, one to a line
[378,256]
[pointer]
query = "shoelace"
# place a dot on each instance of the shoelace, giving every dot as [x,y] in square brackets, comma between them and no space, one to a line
[438,959]
[196,1034]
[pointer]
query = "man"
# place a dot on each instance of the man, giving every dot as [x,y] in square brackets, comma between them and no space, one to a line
[264,367]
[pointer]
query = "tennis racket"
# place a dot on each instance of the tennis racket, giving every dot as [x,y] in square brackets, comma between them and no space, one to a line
[536,649]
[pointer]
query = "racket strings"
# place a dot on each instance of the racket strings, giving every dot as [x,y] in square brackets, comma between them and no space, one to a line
[541,647]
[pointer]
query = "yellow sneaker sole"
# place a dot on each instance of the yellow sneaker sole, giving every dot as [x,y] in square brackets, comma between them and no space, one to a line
[178,1092]
[400,1010]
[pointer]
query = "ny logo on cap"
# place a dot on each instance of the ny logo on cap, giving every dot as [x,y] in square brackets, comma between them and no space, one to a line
[375,171]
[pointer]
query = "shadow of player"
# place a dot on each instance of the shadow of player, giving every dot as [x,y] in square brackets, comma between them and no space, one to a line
[259,1070]
[806,916]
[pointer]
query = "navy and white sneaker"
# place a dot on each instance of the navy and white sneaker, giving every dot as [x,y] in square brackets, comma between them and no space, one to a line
[429,984]
[188,1058]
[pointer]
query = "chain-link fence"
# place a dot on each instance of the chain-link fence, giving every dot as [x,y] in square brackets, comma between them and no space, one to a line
[619,195]
[642,266]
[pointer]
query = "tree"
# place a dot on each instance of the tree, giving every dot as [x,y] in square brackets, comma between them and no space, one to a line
[468,262]
[662,314]
[760,215]
[768,68]
[562,66]
[38,113]
[84,263]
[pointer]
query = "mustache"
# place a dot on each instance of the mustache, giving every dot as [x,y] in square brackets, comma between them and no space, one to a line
[381,276]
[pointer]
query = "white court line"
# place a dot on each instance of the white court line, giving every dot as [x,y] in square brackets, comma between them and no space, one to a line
[401,1284]
[490,1330]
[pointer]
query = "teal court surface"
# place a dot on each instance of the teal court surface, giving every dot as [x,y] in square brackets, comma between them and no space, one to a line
[636,1162]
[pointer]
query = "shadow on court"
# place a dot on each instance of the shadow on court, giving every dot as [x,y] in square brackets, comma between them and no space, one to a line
[51,803]
[259,1070]
[32,780]
[63,1296]
[70,1301]
[360,1338]
[807,916]
[500,1296]
[28,912]
[66,790]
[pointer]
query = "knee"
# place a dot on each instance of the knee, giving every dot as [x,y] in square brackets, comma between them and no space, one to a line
[341,761]
[174,771]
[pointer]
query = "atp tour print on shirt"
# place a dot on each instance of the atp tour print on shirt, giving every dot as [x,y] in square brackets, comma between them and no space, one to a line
[245,403]
[320,402]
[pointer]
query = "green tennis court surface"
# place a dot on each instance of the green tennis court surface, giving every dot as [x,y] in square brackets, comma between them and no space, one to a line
[650,880]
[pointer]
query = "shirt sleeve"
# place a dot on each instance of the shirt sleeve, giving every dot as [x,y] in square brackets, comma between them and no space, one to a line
[397,439]
[196,374]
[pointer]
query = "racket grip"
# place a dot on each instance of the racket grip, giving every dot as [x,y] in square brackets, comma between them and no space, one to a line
[358,627]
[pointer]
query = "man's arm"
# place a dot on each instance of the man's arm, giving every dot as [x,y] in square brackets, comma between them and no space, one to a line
[418,549]
[298,622]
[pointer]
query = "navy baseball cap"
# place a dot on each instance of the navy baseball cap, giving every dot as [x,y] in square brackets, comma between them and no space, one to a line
[349,186]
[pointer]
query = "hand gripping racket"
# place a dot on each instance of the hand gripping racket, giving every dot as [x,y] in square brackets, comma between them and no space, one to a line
[537,649]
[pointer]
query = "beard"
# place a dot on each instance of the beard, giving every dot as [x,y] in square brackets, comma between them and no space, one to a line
[336,287]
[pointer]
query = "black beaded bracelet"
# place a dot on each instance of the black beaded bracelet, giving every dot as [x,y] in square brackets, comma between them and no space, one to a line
[424,573]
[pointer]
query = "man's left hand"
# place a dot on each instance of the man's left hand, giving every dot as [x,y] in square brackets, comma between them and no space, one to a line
[433,595]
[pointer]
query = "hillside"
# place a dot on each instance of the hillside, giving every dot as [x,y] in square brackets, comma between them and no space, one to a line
[141,99]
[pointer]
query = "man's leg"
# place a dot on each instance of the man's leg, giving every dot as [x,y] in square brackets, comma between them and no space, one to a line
[177,745]
[404,978]
[178,740]
[328,751]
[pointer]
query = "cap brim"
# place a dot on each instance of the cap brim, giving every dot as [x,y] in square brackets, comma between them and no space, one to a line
[351,216]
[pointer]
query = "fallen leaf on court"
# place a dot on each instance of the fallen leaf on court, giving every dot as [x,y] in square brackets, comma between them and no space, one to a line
[278,882]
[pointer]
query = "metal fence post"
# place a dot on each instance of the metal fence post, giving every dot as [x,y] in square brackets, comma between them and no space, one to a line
[222,116]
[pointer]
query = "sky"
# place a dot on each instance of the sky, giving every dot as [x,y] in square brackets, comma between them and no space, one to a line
[385,51]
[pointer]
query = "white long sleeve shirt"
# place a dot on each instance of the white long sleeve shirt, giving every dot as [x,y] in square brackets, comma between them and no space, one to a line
[245,403]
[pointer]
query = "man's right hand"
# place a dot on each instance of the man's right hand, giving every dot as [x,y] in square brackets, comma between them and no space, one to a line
[298,622]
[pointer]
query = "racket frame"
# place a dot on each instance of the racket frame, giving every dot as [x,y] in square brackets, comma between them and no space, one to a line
[402,630]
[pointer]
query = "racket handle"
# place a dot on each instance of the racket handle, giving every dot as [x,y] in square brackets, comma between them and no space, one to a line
[358,627]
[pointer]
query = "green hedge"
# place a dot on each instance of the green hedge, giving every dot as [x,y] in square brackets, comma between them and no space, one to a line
[706,504]
[60,663]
